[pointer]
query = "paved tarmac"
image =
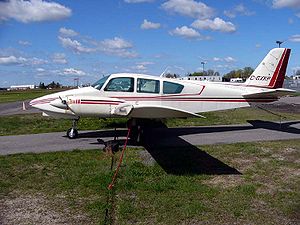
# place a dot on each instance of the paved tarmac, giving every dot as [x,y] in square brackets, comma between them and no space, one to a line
[172,137]
[13,108]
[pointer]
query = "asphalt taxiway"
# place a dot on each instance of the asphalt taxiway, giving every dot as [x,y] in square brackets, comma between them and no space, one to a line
[172,137]
[14,108]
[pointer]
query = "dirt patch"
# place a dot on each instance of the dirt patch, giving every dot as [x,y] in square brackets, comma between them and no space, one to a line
[38,209]
[282,107]
[245,163]
[225,181]
[270,215]
[287,154]
[146,158]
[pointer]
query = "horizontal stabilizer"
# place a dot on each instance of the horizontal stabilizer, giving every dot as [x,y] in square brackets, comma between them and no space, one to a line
[271,93]
[148,111]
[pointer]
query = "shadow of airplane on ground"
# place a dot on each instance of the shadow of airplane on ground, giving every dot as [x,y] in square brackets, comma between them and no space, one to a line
[185,158]
[283,126]
[179,131]
[182,158]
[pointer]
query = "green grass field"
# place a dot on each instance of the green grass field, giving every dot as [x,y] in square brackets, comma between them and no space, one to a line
[263,187]
[35,123]
[13,96]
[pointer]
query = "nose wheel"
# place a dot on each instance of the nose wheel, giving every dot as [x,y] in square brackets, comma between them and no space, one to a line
[72,133]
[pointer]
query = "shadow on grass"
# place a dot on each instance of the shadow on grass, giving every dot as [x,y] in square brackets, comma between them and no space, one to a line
[183,158]
[165,132]
[283,127]
[177,156]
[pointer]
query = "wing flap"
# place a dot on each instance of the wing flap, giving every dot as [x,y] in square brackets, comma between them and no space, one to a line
[152,111]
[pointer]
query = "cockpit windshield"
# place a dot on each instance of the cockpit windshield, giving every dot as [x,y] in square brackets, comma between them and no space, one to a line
[98,85]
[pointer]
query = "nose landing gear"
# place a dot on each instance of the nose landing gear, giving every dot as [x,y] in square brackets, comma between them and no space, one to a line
[72,133]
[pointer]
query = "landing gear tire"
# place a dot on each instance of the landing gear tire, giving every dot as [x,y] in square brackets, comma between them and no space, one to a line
[137,131]
[72,133]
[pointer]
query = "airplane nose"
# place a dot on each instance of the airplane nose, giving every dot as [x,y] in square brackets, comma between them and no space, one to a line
[34,102]
[59,103]
[38,102]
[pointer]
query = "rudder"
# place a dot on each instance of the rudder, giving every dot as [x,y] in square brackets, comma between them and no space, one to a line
[270,73]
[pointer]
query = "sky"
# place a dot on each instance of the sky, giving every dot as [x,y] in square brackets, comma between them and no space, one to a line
[59,40]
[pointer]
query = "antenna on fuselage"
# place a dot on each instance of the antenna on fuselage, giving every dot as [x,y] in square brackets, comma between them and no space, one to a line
[163,73]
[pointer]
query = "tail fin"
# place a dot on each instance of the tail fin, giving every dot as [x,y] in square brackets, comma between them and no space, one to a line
[270,73]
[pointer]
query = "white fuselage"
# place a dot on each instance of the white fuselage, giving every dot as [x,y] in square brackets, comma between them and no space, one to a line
[190,96]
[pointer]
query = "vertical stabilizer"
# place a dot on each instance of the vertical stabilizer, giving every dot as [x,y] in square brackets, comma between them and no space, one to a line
[270,73]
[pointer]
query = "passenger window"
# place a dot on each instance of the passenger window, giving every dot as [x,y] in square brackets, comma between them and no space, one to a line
[172,88]
[147,86]
[121,84]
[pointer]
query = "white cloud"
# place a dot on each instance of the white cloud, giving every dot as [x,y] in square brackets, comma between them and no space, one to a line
[74,45]
[187,32]
[286,4]
[216,25]
[238,10]
[12,60]
[216,59]
[146,25]
[36,61]
[117,46]
[229,59]
[116,43]
[72,71]
[146,63]
[40,70]
[140,68]
[189,8]
[257,45]
[33,11]
[298,14]
[59,58]
[138,1]
[295,38]
[67,32]
[24,43]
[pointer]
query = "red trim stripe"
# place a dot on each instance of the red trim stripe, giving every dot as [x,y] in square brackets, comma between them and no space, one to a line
[277,70]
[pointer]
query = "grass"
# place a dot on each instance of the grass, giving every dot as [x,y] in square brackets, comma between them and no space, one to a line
[35,123]
[74,183]
[13,96]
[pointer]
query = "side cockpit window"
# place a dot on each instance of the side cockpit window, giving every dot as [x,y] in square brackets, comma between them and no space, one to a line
[172,88]
[147,86]
[98,85]
[120,84]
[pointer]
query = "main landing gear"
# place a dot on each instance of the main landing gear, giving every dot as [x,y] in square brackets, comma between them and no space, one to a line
[72,133]
[139,129]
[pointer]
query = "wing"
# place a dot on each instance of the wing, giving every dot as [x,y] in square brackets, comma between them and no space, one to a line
[271,93]
[152,111]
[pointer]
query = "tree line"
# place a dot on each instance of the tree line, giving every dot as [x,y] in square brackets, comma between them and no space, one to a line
[52,85]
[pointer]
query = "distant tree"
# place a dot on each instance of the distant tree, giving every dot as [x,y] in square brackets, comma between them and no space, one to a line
[247,71]
[42,85]
[240,73]
[54,85]
[170,75]
[297,72]
[209,72]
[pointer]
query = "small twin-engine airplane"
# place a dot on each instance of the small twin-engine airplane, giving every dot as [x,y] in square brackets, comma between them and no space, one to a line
[142,97]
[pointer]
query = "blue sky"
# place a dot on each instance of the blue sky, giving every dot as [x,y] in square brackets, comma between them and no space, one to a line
[44,41]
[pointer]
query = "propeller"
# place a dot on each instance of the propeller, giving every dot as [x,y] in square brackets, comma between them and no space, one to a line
[64,102]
